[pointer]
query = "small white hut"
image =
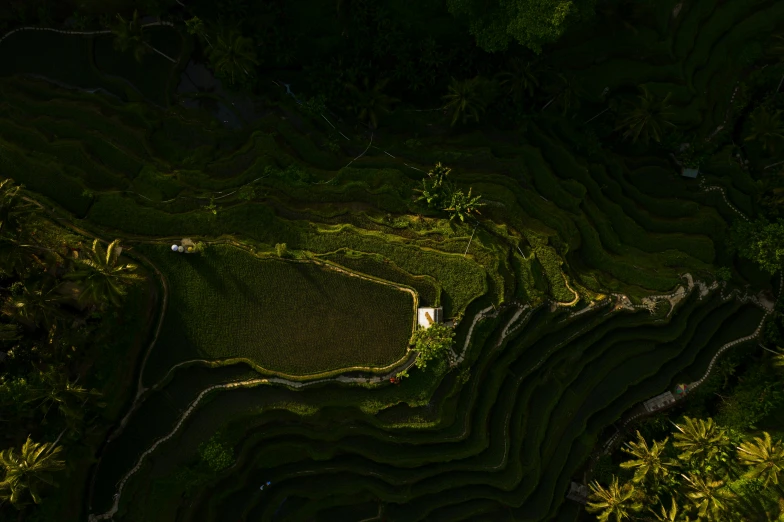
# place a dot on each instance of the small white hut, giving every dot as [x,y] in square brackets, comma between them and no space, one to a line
[428,315]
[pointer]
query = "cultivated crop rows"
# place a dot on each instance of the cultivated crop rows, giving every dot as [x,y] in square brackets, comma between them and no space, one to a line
[285,317]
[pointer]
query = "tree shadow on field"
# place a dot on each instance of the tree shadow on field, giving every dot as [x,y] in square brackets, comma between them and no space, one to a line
[307,273]
[208,272]
[217,275]
[238,285]
[216,272]
[446,303]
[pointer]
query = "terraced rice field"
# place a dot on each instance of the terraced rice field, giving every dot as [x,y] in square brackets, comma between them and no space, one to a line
[427,288]
[93,62]
[293,318]
[500,437]
[512,436]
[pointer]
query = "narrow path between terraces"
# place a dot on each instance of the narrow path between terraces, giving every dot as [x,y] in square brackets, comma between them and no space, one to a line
[639,411]
[274,380]
[92,33]
[140,393]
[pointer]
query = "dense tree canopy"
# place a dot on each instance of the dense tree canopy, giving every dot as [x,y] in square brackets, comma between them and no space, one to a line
[103,277]
[28,470]
[615,503]
[467,99]
[233,56]
[369,103]
[760,241]
[743,487]
[434,186]
[531,23]
[767,128]
[432,343]
[46,341]
[646,118]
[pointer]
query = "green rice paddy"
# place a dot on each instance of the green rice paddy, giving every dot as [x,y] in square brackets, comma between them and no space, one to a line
[293,318]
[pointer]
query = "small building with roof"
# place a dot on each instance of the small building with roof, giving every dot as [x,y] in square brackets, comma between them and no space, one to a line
[660,401]
[690,173]
[578,493]
[429,315]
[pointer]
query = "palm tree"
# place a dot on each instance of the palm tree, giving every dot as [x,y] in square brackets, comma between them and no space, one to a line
[35,305]
[646,119]
[103,279]
[670,516]
[13,258]
[466,99]
[700,441]
[759,504]
[29,470]
[439,173]
[14,211]
[462,205]
[9,332]
[368,103]
[22,259]
[15,215]
[710,497]
[430,194]
[615,503]
[195,26]
[567,93]
[648,465]
[233,55]
[520,79]
[432,191]
[778,360]
[129,35]
[764,458]
[57,390]
[766,128]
